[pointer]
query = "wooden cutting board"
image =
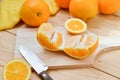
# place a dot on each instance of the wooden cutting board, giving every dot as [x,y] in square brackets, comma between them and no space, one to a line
[27,38]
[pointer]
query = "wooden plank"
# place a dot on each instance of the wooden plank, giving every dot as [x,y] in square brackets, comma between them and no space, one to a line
[80,74]
[7,45]
[109,62]
[27,38]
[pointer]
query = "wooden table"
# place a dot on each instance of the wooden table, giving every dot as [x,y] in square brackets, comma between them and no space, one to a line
[106,67]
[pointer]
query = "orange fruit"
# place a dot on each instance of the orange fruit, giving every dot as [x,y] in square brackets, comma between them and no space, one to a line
[82,47]
[108,6]
[16,69]
[75,26]
[83,9]
[63,3]
[48,38]
[34,12]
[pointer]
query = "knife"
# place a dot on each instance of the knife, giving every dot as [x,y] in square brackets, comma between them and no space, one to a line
[38,65]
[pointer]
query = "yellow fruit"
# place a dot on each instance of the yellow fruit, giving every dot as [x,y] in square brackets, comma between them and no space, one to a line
[75,26]
[83,9]
[16,69]
[9,13]
[48,38]
[52,6]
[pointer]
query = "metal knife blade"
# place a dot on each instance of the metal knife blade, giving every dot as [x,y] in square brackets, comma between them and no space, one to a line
[38,65]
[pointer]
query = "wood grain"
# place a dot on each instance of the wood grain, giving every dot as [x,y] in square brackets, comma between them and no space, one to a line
[27,38]
[1,73]
[7,47]
[76,74]
[109,62]
[80,74]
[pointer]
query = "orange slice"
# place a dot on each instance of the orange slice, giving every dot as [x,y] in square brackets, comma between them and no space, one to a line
[16,69]
[75,26]
[49,38]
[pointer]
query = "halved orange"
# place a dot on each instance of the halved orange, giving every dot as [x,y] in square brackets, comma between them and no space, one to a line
[17,69]
[49,38]
[75,26]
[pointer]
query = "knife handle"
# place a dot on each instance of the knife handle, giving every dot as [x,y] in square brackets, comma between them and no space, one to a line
[45,76]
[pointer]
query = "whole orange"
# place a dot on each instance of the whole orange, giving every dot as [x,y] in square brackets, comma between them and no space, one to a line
[34,12]
[108,6]
[63,3]
[83,9]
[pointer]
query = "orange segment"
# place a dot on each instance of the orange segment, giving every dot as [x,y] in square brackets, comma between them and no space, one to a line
[77,52]
[48,38]
[71,47]
[92,42]
[75,25]
[16,69]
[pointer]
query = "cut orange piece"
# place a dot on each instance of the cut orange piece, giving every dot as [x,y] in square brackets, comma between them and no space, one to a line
[81,47]
[73,49]
[48,38]
[16,69]
[92,42]
[75,26]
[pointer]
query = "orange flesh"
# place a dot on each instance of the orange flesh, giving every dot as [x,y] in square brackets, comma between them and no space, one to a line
[59,40]
[89,41]
[92,49]
[76,53]
[44,40]
[18,69]
[75,25]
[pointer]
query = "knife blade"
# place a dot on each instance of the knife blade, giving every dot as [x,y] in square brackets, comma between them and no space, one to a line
[38,65]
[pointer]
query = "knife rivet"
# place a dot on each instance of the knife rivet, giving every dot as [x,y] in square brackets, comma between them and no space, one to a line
[44,75]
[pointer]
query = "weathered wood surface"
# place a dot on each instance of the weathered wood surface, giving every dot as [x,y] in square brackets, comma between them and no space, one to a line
[106,67]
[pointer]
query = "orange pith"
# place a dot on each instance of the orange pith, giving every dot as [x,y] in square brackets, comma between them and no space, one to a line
[72,49]
[92,42]
[85,47]
[59,40]
[16,70]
